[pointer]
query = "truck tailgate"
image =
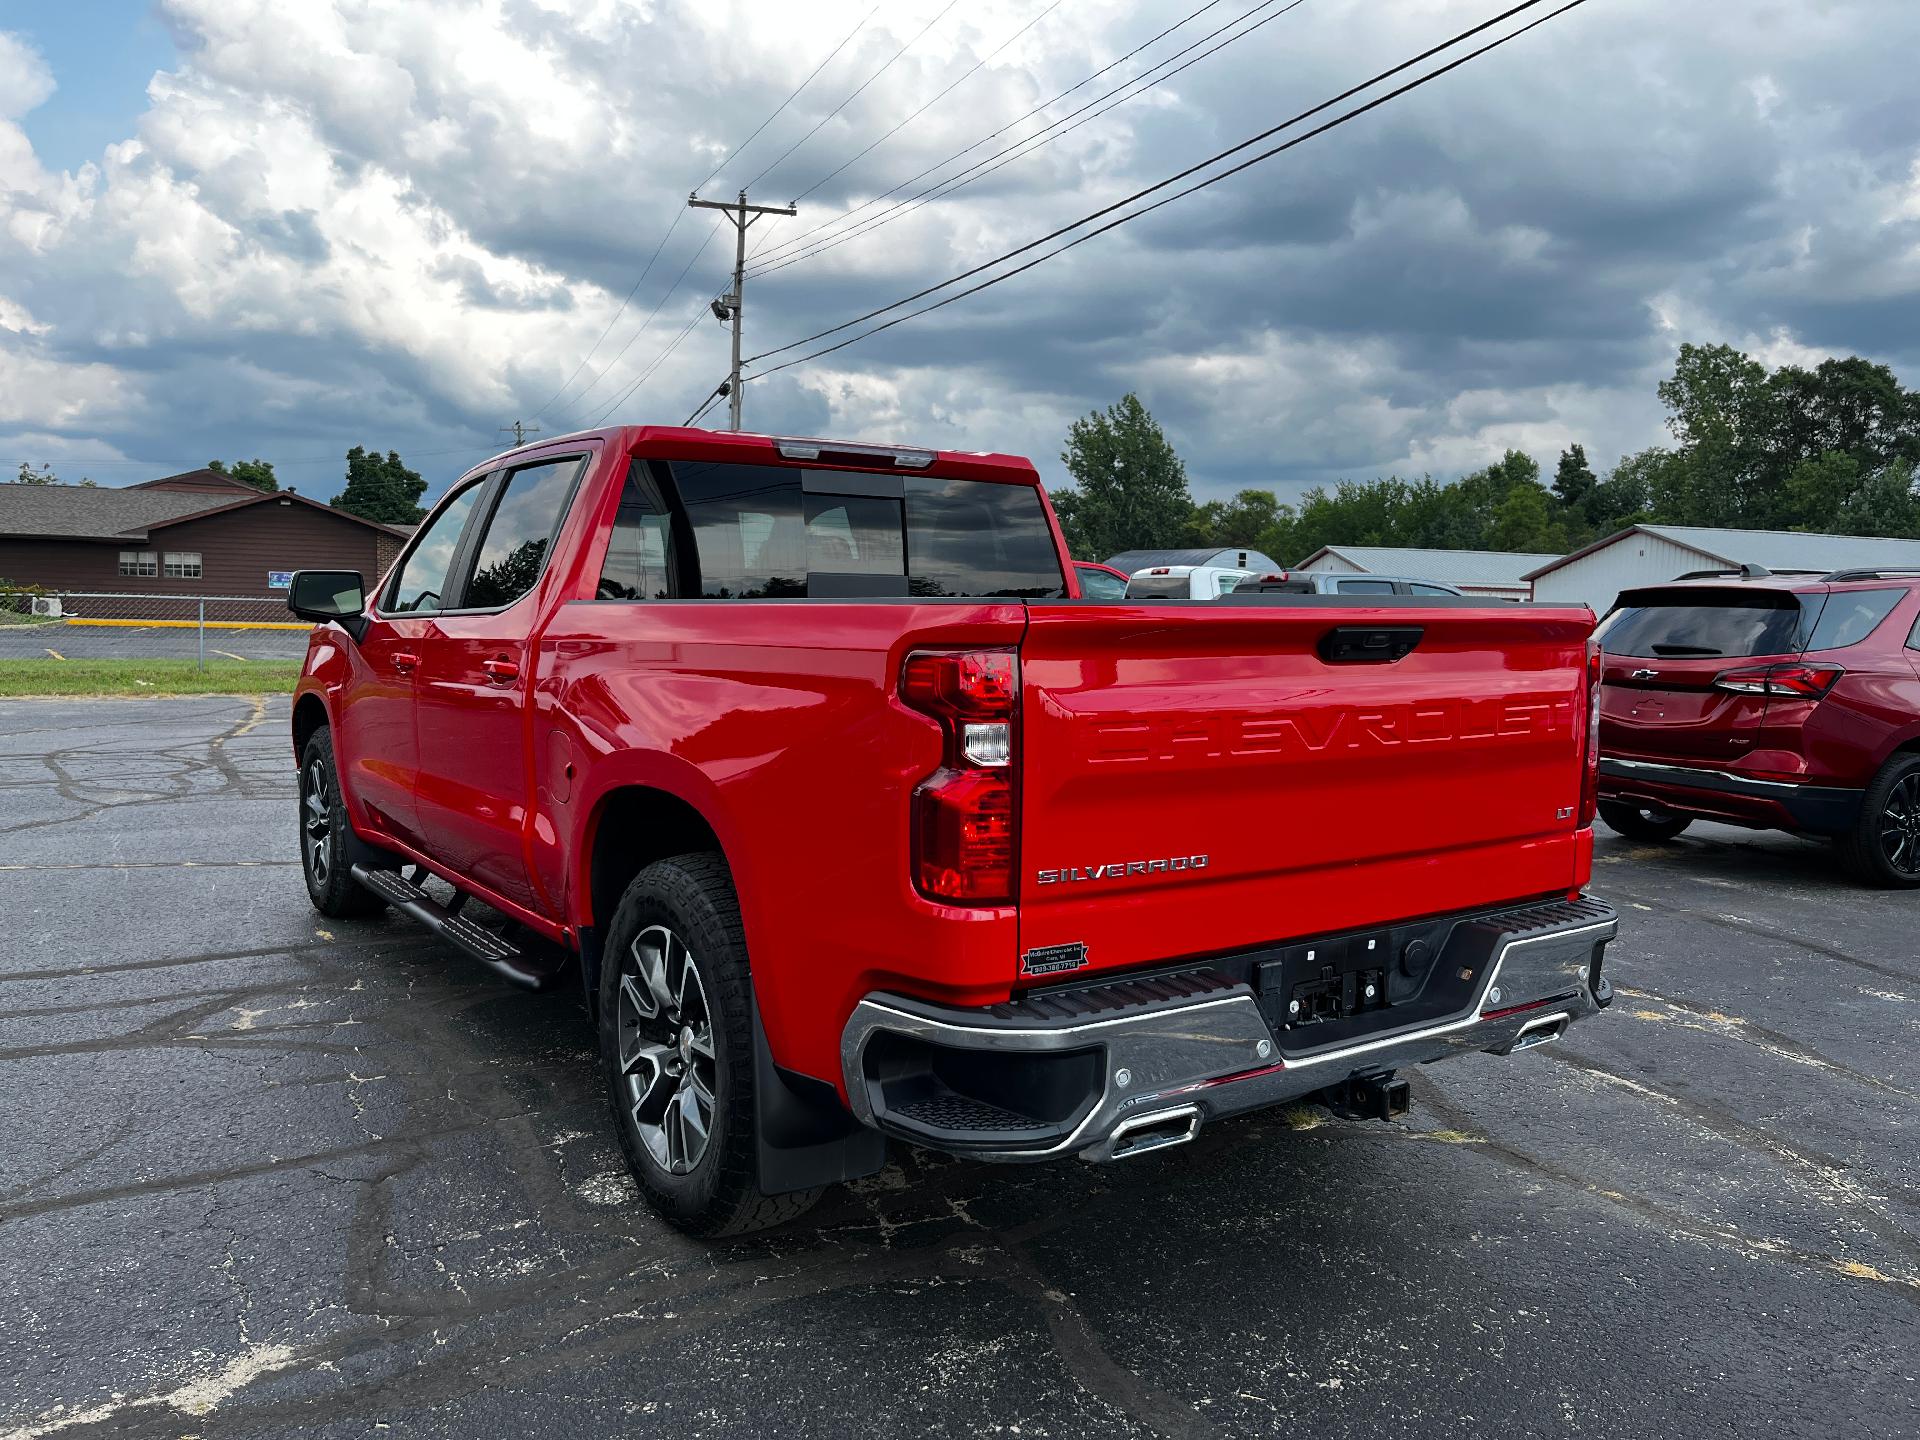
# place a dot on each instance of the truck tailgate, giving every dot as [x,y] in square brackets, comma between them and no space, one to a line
[1197,778]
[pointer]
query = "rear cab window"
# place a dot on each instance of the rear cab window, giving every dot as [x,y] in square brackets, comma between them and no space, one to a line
[704,530]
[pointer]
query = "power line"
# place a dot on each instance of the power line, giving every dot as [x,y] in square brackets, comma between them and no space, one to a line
[1187,19]
[854,96]
[647,374]
[675,343]
[740,149]
[574,404]
[731,155]
[78,463]
[705,405]
[973,70]
[1174,179]
[980,169]
[607,329]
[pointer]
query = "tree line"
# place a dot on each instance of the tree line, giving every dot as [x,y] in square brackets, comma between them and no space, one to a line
[378,487]
[1831,449]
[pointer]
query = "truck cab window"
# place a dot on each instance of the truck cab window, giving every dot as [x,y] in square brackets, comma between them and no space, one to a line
[637,551]
[513,548]
[746,528]
[423,578]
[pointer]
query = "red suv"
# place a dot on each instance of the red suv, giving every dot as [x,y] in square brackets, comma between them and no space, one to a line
[1779,702]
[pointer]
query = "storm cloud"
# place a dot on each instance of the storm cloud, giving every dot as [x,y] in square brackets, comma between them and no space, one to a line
[344,222]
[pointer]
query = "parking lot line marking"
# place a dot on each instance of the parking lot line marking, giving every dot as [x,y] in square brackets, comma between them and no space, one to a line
[55,653]
[229,654]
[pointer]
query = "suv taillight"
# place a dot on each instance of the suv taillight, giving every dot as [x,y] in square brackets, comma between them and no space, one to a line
[1791,678]
[1590,749]
[963,842]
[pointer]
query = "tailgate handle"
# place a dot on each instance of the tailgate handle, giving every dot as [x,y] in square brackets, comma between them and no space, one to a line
[1369,644]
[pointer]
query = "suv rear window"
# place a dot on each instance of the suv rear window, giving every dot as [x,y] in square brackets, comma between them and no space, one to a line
[772,531]
[1706,623]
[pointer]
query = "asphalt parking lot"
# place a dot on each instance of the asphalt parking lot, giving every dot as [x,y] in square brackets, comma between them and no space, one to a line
[263,1175]
[140,642]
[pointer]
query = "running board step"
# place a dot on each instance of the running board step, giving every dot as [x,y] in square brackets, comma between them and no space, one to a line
[498,955]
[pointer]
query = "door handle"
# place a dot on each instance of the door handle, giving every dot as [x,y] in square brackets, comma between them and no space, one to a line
[501,671]
[402,660]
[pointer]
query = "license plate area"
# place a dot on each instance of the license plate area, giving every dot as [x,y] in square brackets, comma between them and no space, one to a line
[1328,993]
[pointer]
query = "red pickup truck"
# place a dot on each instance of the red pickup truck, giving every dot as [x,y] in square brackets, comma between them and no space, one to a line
[856,821]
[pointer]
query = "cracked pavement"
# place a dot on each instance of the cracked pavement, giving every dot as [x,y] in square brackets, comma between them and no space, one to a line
[263,1174]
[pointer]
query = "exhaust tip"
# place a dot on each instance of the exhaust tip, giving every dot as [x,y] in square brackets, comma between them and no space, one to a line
[1142,1133]
[1539,1032]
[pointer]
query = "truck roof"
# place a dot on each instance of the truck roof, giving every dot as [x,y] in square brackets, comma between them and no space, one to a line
[745,446]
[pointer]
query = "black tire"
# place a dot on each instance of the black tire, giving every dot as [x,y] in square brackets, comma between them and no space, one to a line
[665,1039]
[1883,847]
[323,836]
[1642,822]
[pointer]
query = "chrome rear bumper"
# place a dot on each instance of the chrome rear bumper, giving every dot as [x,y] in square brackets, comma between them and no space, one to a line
[1155,1057]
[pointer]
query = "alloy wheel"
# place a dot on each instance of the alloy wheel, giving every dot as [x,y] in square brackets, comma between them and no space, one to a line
[316,822]
[667,1060]
[1900,825]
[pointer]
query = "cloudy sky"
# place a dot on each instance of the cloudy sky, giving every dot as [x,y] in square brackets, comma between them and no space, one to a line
[282,227]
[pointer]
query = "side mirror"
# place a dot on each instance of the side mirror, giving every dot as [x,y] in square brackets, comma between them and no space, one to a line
[323,595]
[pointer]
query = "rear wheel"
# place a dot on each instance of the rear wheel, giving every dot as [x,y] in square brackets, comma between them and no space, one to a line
[1642,822]
[676,1043]
[323,836]
[1883,847]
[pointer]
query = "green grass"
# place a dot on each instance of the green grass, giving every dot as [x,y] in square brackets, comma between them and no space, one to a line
[20,617]
[25,678]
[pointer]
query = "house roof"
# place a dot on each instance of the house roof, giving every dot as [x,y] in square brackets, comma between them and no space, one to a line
[1454,566]
[1132,560]
[202,480]
[87,512]
[1775,549]
[90,512]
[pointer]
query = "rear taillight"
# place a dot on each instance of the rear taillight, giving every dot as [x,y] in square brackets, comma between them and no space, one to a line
[1790,678]
[1590,748]
[963,841]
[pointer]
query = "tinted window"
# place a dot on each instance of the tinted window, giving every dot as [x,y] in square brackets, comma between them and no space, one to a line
[637,550]
[1852,615]
[747,529]
[975,537]
[1417,588]
[423,579]
[513,549]
[764,531]
[1160,587]
[1366,587]
[854,535]
[1099,585]
[1756,623]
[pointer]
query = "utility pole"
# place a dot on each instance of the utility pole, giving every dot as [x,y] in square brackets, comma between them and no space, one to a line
[728,307]
[520,432]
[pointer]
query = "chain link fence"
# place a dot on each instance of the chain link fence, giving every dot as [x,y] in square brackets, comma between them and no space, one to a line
[56,625]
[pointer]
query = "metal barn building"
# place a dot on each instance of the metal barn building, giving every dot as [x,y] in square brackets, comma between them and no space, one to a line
[1477,572]
[1651,554]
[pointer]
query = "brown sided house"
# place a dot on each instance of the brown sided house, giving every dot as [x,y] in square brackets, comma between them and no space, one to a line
[201,533]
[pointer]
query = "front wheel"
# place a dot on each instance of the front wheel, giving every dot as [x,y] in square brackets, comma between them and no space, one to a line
[676,1044]
[323,836]
[1642,822]
[1883,847]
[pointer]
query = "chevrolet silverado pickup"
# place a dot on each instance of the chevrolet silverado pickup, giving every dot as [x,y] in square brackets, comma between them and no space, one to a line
[855,821]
